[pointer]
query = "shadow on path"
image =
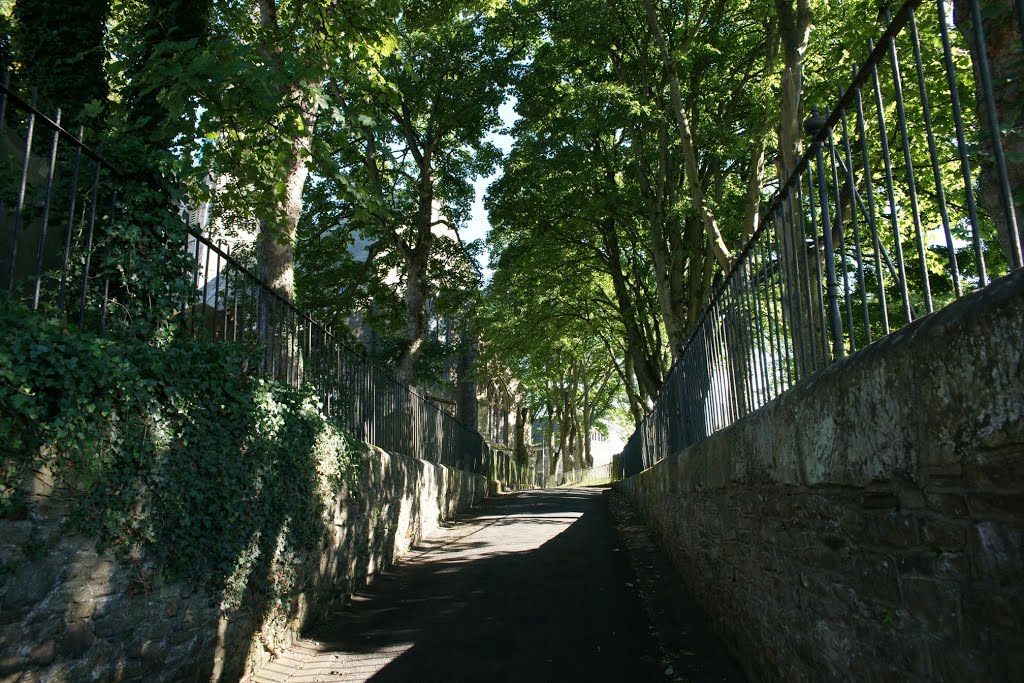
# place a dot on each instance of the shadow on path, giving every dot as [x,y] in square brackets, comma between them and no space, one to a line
[531,587]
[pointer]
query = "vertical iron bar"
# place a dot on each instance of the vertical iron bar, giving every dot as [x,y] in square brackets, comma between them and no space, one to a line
[997,138]
[734,326]
[272,331]
[729,376]
[238,334]
[774,354]
[209,314]
[1019,4]
[832,287]
[261,335]
[756,330]
[713,389]
[754,290]
[279,334]
[295,345]
[784,325]
[852,189]
[186,290]
[744,339]
[908,161]
[88,246]
[792,283]
[230,297]
[203,305]
[777,353]
[215,314]
[729,386]
[840,222]
[19,207]
[886,159]
[5,82]
[45,219]
[720,387]
[106,266]
[872,215]
[817,269]
[961,144]
[105,296]
[940,192]
[71,220]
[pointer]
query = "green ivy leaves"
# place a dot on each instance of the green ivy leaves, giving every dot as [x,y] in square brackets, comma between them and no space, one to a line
[168,450]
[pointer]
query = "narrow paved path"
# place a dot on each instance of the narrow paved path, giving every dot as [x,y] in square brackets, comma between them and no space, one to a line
[533,587]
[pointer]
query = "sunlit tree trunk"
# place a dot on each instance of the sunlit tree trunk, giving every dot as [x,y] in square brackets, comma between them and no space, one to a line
[276,241]
[275,244]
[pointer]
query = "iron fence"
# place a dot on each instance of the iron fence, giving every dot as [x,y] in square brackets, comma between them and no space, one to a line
[589,476]
[903,201]
[65,255]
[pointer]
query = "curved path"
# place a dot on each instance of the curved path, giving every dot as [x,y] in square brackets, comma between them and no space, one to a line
[533,587]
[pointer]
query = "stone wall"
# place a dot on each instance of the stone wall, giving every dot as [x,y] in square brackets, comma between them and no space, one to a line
[70,613]
[868,525]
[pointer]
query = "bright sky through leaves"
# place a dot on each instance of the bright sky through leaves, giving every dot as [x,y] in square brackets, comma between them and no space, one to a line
[478,225]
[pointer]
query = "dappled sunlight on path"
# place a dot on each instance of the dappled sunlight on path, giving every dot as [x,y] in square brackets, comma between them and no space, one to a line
[532,587]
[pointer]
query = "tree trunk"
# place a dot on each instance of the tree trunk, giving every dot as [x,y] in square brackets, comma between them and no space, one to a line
[549,440]
[667,249]
[697,195]
[670,258]
[752,205]
[563,437]
[417,282]
[794,30]
[276,240]
[798,262]
[467,407]
[1003,48]
[417,294]
[519,441]
[588,455]
[646,369]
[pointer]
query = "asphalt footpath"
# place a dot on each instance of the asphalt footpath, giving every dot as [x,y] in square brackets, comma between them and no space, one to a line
[535,586]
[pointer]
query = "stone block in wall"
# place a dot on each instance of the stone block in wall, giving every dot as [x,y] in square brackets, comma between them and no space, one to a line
[997,551]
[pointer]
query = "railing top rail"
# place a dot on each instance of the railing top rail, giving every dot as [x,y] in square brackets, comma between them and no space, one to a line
[11,96]
[28,107]
[877,55]
[208,243]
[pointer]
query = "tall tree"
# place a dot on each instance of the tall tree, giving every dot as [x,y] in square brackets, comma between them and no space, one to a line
[418,143]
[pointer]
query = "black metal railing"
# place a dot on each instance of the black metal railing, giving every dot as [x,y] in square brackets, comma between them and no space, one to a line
[64,254]
[903,202]
[588,476]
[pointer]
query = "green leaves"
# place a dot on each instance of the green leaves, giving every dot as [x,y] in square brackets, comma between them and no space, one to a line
[170,450]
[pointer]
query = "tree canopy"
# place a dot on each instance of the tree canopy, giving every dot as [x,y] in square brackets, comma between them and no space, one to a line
[340,142]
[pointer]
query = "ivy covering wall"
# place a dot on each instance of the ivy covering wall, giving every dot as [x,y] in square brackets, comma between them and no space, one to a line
[168,451]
